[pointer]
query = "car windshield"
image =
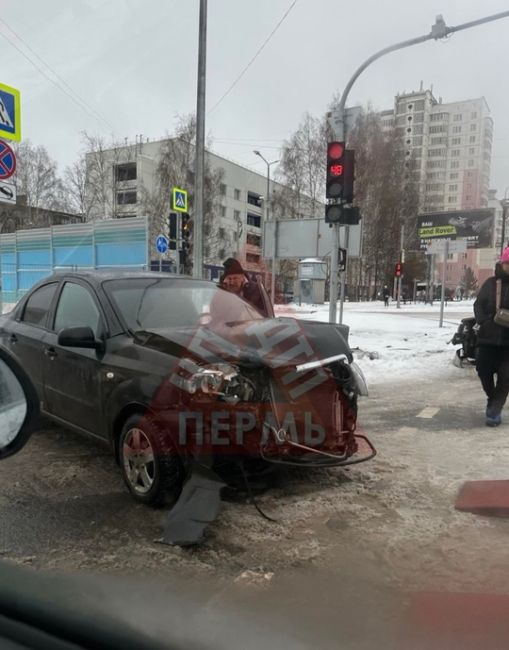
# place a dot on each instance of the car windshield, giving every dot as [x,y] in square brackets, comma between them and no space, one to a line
[154,303]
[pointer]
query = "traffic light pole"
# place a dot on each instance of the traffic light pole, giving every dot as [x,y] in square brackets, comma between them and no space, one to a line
[438,31]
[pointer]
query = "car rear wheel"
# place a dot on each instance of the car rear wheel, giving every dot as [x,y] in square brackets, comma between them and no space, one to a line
[150,465]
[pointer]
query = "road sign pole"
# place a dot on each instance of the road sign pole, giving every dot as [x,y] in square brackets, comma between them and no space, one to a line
[333,284]
[444,267]
[343,276]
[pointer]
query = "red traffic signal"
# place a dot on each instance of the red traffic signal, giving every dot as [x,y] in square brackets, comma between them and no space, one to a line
[335,170]
[398,270]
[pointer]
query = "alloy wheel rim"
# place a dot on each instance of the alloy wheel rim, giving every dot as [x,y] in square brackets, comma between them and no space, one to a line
[139,460]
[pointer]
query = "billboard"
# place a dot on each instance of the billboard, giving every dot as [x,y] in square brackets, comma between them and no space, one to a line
[298,238]
[475,226]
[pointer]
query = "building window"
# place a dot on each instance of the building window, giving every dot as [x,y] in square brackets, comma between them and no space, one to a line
[473,127]
[455,153]
[126,172]
[222,189]
[453,188]
[469,198]
[436,152]
[458,117]
[237,195]
[452,199]
[251,258]
[471,151]
[454,176]
[439,140]
[126,198]
[455,164]
[456,141]
[470,163]
[472,139]
[409,118]
[236,215]
[254,240]
[253,220]
[474,115]
[223,211]
[456,129]
[438,129]
[254,199]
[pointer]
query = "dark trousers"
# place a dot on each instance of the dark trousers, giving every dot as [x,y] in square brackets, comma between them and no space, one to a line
[491,361]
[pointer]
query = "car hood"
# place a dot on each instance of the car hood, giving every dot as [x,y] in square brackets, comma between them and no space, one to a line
[271,342]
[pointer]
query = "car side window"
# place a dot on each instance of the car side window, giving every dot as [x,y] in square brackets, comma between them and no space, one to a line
[37,306]
[76,308]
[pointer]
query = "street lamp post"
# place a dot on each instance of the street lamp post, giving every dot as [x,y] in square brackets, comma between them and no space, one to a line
[267,218]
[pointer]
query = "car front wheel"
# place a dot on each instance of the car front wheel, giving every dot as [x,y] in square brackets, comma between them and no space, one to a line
[150,465]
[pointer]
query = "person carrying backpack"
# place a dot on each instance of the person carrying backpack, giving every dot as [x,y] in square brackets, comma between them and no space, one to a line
[491,310]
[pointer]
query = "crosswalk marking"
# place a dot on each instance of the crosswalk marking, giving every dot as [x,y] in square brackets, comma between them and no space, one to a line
[428,413]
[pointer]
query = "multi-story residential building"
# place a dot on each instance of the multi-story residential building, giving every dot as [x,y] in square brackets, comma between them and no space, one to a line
[448,151]
[130,172]
[448,147]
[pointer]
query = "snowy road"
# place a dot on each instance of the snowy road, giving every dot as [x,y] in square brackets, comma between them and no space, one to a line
[348,545]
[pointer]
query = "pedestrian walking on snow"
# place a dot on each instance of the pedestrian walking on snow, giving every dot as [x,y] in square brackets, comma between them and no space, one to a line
[386,295]
[492,359]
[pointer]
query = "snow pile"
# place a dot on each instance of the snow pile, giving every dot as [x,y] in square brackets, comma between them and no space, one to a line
[391,343]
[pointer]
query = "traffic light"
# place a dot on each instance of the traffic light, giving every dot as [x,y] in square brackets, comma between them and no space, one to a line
[342,214]
[186,236]
[398,270]
[173,221]
[335,170]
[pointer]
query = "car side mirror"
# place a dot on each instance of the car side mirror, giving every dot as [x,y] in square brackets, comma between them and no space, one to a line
[19,406]
[79,337]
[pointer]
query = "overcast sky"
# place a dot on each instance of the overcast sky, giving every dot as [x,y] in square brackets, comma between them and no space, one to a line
[134,61]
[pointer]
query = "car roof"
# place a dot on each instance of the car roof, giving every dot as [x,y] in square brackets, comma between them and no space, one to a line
[99,276]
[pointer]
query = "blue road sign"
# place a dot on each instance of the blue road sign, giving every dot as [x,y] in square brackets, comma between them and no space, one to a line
[161,244]
[10,118]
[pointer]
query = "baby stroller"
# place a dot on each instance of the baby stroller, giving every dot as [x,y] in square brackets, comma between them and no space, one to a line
[466,336]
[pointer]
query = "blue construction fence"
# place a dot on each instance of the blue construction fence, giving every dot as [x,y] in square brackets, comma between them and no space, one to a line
[27,256]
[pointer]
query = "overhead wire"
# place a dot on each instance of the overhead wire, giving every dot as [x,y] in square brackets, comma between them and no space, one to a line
[257,54]
[61,84]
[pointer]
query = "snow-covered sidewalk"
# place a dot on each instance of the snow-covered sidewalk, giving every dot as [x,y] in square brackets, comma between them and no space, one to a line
[393,343]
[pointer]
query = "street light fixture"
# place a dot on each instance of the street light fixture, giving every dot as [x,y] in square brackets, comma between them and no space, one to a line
[267,218]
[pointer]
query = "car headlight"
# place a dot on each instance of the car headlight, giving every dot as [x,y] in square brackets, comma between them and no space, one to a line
[223,381]
[360,380]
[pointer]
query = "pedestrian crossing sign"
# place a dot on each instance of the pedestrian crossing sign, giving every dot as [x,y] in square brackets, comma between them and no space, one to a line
[179,200]
[10,113]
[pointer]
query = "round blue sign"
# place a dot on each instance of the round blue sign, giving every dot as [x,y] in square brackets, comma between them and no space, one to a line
[162,244]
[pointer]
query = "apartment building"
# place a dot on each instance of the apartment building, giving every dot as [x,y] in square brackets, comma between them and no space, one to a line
[131,171]
[448,154]
[448,148]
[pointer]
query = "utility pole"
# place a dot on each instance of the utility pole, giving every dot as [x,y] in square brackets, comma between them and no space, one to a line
[267,219]
[438,31]
[504,217]
[402,260]
[199,168]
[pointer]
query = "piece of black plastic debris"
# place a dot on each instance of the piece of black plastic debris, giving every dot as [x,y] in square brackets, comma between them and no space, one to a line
[198,505]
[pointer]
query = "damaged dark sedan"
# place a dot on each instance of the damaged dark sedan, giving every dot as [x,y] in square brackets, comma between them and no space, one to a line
[170,369]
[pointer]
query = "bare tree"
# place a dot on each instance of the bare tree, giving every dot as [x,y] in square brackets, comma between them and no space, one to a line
[387,195]
[75,177]
[37,177]
[302,170]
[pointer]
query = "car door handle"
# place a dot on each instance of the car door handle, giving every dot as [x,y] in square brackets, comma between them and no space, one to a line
[13,338]
[50,352]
